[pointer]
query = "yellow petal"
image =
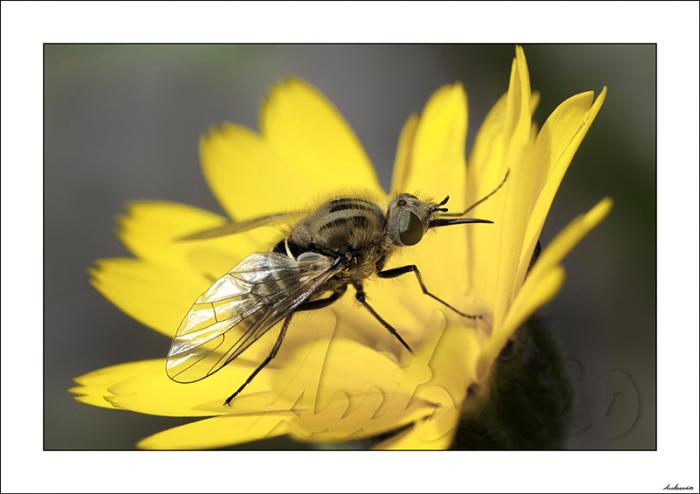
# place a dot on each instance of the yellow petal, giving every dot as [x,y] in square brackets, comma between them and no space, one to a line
[488,146]
[437,169]
[154,295]
[534,102]
[503,132]
[321,368]
[312,137]
[546,276]
[494,259]
[247,176]
[345,390]
[512,223]
[92,387]
[453,356]
[355,369]
[568,238]
[518,108]
[404,155]
[217,432]
[361,392]
[485,165]
[537,296]
[144,387]
[555,147]
[453,363]
[558,131]
[411,440]
[151,229]
[518,195]
[349,418]
[438,164]
[90,399]
[399,301]
[306,153]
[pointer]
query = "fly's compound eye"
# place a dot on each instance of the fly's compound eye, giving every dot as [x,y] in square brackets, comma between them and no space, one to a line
[410,228]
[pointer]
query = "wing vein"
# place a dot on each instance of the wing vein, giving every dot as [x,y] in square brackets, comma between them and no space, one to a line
[253,296]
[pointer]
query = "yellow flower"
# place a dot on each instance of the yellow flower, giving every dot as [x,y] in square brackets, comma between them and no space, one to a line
[339,375]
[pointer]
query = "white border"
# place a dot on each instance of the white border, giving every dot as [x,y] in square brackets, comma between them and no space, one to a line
[25,26]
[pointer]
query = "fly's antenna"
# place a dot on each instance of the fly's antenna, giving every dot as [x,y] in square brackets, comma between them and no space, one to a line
[437,207]
[477,202]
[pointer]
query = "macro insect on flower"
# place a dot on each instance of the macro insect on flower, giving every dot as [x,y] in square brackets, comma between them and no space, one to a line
[340,375]
[344,241]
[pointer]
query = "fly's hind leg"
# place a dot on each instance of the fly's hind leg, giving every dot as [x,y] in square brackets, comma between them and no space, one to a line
[312,305]
[395,272]
[267,360]
[323,302]
[362,298]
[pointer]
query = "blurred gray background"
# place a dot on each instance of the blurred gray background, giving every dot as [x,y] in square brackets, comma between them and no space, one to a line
[122,123]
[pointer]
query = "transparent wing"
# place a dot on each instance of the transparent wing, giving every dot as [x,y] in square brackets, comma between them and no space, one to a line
[242,226]
[240,307]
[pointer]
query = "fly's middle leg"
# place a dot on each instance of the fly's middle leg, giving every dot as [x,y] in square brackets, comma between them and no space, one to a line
[362,298]
[395,272]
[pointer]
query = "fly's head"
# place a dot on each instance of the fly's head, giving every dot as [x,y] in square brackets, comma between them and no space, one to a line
[409,218]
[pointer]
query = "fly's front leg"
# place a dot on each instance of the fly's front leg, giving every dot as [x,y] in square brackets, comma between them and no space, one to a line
[362,298]
[396,272]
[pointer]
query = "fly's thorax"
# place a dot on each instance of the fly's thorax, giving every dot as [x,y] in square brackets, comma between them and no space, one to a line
[358,266]
[342,224]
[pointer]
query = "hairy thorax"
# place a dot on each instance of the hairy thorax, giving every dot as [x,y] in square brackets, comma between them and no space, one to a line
[350,228]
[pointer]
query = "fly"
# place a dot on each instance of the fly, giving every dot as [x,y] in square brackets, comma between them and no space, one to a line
[343,242]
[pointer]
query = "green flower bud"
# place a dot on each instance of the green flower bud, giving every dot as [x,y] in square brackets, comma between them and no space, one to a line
[528,401]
